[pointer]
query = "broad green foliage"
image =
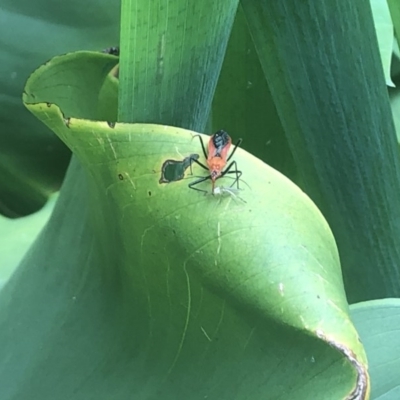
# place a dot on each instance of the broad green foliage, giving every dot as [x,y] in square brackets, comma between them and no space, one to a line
[32,159]
[378,323]
[172,282]
[141,289]
[127,322]
[337,117]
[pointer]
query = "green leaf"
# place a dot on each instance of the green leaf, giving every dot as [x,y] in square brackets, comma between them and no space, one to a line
[395,104]
[87,70]
[384,31]
[322,65]
[32,159]
[243,105]
[172,52]
[119,315]
[18,235]
[154,290]
[395,62]
[108,97]
[394,8]
[378,323]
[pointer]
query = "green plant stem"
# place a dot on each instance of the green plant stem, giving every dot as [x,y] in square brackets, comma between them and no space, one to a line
[171,56]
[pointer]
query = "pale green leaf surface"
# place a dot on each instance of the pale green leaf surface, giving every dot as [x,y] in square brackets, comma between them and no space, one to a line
[384,32]
[17,235]
[102,312]
[378,323]
[157,290]
[108,98]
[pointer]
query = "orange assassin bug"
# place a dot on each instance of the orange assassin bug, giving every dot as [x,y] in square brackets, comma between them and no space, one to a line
[217,158]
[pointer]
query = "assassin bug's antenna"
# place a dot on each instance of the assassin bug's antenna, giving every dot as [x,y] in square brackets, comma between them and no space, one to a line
[217,158]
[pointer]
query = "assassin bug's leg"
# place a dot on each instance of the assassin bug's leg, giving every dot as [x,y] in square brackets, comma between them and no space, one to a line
[202,146]
[234,149]
[199,181]
[236,171]
[197,162]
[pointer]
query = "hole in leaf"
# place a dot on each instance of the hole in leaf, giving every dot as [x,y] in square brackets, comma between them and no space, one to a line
[174,170]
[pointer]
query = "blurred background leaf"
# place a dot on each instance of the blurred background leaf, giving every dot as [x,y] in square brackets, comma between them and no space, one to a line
[32,159]
[394,7]
[243,104]
[334,108]
[378,323]
[17,235]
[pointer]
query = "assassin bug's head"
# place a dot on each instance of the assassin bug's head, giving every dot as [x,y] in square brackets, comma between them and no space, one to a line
[215,174]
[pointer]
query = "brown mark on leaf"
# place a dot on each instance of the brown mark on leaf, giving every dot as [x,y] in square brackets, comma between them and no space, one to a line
[361,388]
